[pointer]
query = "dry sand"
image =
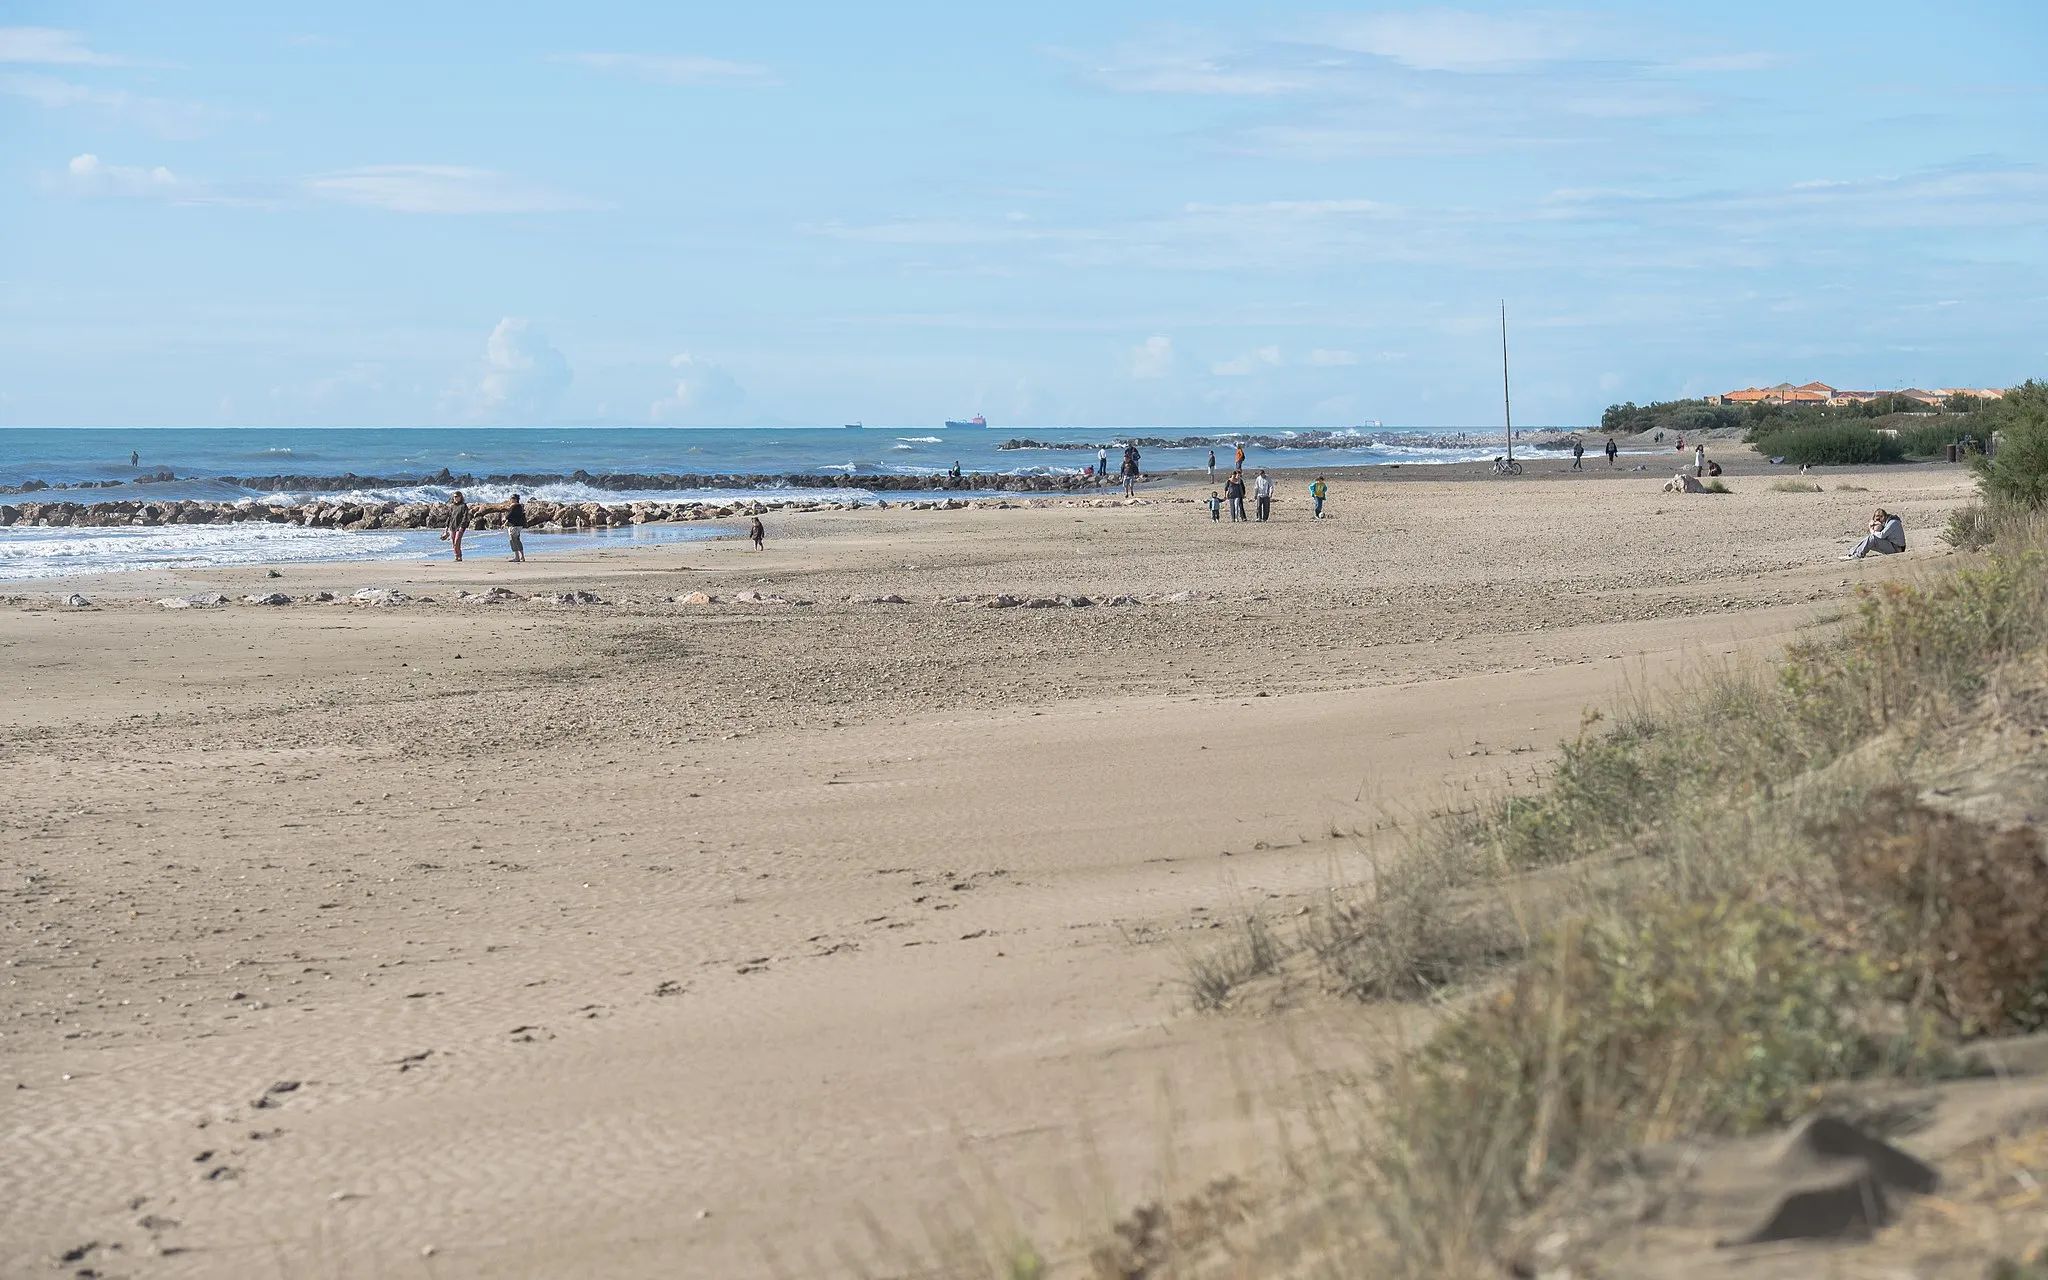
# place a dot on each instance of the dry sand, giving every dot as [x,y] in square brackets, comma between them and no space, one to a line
[648,939]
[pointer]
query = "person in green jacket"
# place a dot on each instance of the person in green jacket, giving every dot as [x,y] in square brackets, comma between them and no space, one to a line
[1319,490]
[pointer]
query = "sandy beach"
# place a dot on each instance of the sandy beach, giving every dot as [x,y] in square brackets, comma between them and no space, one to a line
[647,938]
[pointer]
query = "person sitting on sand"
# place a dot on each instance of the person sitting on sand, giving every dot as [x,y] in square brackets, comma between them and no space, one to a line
[1215,506]
[458,522]
[1318,491]
[1887,536]
[757,533]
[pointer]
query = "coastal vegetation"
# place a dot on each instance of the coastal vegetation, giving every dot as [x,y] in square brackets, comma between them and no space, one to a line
[1723,907]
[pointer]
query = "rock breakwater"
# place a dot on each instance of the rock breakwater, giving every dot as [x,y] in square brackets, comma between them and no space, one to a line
[434,515]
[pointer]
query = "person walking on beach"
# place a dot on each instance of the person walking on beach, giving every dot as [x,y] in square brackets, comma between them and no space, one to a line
[515,528]
[1262,489]
[1233,490]
[757,533]
[1215,506]
[1318,491]
[1699,460]
[1578,454]
[1612,449]
[1212,466]
[458,522]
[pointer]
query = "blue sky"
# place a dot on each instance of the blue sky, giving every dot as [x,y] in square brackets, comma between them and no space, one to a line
[1062,213]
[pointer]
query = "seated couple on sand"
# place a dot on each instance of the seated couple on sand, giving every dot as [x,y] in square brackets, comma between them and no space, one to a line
[1887,537]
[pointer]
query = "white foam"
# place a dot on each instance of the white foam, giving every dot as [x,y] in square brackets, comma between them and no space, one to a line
[50,553]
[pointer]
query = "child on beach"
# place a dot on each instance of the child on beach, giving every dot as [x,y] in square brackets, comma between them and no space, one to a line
[1318,491]
[1215,506]
[757,533]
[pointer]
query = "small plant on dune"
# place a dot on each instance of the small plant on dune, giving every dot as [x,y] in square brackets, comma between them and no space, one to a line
[1794,486]
[1215,974]
[1970,528]
[1692,1018]
[1717,486]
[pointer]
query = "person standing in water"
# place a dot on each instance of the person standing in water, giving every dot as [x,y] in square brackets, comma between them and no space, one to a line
[458,521]
[134,458]
[757,533]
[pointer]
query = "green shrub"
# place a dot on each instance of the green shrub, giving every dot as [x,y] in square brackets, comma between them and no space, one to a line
[1844,444]
[2019,472]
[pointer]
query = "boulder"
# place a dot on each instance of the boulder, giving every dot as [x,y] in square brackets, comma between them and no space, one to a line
[77,601]
[891,598]
[378,596]
[203,600]
[697,597]
[578,597]
[274,598]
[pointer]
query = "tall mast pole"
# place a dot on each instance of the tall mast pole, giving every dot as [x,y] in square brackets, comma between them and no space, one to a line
[1507,406]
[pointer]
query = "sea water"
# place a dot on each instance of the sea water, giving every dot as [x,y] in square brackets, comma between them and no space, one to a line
[199,457]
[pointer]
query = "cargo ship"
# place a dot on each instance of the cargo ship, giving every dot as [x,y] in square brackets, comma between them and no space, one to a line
[976,421]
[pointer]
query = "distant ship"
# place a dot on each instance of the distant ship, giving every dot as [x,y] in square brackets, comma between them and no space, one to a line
[976,421]
[853,426]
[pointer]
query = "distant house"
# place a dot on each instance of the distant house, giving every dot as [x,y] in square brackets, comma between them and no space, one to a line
[1822,393]
[1783,393]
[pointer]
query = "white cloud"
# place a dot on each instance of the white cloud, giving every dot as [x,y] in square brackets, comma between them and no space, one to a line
[86,175]
[164,117]
[676,68]
[1450,40]
[50,45]
[703,389]
[429,188]
[1249,363]
[1326,357]
[523,374]
[1152,358]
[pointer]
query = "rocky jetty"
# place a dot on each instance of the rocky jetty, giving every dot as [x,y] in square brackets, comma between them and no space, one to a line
[331,514]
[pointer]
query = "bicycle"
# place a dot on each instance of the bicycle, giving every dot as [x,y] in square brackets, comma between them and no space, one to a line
[1506,467]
